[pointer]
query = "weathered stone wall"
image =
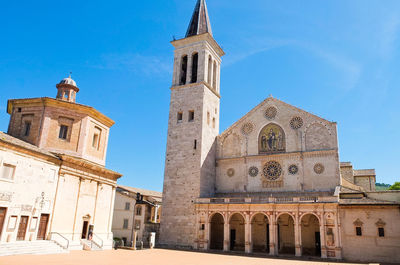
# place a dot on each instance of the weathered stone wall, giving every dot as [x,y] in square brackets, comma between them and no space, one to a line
[239,146]
[369,246]
[190,156]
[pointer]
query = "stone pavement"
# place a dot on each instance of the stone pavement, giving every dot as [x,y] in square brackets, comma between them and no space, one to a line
[149,257]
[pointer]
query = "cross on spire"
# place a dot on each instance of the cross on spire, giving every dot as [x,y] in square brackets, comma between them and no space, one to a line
[200,22]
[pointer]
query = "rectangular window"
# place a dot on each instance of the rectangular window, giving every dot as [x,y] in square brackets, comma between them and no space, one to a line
[96,138]
[214,123]
[8,172]
[63,132]
[126,222]
[191,115]
[208,118]
[27,128]
[180,116]
[138,210]
[381,232]
[203,227]
[127,206]
[195,144]
[358,231]
[137,224]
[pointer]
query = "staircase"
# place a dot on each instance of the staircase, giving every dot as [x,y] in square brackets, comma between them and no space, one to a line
[41,247]
[90,245]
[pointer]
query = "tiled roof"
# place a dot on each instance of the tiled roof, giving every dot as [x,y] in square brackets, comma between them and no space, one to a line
[142,191]
[19,143]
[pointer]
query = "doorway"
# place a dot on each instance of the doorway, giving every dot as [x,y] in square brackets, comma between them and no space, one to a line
[236,227]
[44,220]
[85,229]
[233,239]
[23,224]
[3,212]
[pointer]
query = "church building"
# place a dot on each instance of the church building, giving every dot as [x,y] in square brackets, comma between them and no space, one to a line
[271,183]
[55,192]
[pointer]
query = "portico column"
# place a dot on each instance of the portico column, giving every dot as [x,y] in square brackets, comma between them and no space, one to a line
[207,234]
[247,234]
[322,237]
[226,234]
[297,236]
[338,245]
[276,235]
[272,237]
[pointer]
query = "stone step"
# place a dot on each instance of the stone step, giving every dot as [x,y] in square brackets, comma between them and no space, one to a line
[30,248]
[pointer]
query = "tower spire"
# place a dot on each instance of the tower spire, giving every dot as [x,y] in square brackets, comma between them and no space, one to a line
[200,22]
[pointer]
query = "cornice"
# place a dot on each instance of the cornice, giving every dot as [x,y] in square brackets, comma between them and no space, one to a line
[45,101]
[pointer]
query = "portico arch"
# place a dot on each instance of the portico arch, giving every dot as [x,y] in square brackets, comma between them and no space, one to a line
[286,234]
[260,236]
[236,232]
[310,235]
[217,231]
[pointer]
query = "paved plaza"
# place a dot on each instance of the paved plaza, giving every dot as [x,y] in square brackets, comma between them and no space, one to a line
[149,257]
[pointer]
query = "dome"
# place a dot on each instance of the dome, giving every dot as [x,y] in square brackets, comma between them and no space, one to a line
[68,81]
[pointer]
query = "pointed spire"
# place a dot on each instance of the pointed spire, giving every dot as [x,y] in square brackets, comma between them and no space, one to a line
[200,22]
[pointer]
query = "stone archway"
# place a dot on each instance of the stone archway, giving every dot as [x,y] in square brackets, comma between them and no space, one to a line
[260,236]
[236,232]
[310,235]
[286,234]
[217,232]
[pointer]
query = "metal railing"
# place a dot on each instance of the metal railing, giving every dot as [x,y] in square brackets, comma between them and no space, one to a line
[97,240]
[64,244]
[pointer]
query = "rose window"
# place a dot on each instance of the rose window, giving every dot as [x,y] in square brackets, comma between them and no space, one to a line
[296,123]
[272,170]
[270,113]
[319,168]
[253,171]
[293,169]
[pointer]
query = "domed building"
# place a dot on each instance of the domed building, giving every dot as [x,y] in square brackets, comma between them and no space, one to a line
[272,182]
[54,186]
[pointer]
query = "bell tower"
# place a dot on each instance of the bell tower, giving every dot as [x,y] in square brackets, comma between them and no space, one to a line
[192,129]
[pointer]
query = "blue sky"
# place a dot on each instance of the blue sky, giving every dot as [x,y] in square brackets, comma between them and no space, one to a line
[337,59]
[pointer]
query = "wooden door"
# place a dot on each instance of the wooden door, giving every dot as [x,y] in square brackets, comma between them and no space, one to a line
[44,220]
[84,229]
[23,224]
[3,212]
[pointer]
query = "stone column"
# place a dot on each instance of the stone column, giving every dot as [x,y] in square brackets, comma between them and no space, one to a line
[297,235]
[134,240]
[247,234]
[226,234]
[189,69]
[322,231]
[338,245]
[207,234]
[275,247]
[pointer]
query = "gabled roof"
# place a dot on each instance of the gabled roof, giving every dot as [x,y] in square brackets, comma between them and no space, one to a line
[141,191]
[270,98]
[200,22]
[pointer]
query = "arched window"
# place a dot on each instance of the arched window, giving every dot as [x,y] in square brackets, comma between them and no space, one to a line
[209,70]
[215,75]
[184,63]
[195,61]
[271,139]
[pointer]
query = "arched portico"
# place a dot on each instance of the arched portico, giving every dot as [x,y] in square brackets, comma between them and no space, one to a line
[260,233]
[286,234]
[217,232]
[237,232]
[310,235]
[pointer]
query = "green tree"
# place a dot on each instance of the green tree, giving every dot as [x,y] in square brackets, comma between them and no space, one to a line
[395,186]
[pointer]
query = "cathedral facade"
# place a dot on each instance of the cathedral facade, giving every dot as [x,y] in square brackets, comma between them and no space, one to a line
[272,182]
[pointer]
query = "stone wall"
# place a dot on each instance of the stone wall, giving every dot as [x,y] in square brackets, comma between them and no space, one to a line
[369,246]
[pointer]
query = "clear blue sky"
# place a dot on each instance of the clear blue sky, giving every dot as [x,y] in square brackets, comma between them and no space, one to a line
[338,59]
